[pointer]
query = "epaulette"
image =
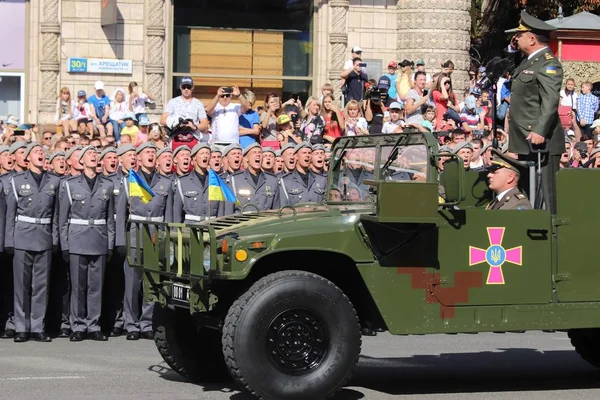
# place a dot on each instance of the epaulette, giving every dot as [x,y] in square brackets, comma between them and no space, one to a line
[71,178]
[520,196]
[269,173]
[19,173]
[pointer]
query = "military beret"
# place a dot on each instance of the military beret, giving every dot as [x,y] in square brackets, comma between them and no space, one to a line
[500,160]
[278,153]
[444,149]
[318,146]
[531,24]
[3,149]
[287,146]
[180,148]
[269,150]
[485,148]
[232,146]
[250,147]
[124,149]
[216,149]
[52,156]
[30,147]
[594,152]
[302,145]
[72,150]
[164,150]
[462,145]
[144,146]
[16,146]
[106,151]
[199,147]
[85,150]
[327,150]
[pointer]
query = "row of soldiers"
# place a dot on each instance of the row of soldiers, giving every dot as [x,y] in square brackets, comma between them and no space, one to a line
[63,215]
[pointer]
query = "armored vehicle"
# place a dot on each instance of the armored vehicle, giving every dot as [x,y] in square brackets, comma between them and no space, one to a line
[278,298]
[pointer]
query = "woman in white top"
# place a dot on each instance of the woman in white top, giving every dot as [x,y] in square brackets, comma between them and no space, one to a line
[118,109]
[66,112]
[136,99]
[568,96]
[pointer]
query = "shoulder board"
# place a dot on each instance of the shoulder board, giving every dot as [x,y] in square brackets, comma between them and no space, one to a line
[520,196]
[548,56]
[20,173]
[285,175]
[72,178]
[240,172]
[269,174]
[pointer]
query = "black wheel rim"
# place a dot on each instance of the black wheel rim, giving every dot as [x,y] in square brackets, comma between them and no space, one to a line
[297,341]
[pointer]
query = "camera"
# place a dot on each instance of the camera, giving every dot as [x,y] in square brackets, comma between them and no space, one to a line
[374,95]
[228,90]
[294,118]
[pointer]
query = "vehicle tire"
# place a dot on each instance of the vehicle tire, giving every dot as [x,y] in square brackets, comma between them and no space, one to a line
[192,352]
[587,344]
[292,335]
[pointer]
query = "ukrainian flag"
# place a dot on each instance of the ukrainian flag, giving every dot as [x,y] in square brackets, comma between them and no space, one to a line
[218,190]
[139,188]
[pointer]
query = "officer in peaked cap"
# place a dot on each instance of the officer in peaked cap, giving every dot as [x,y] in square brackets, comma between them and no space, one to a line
[536,83]
[252,185]
[138,314]
[190,202]
[87,237]
[504,173]
[7,325]
[301,185]
[31,234]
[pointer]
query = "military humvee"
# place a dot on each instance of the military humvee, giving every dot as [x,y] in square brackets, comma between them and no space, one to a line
[277,298]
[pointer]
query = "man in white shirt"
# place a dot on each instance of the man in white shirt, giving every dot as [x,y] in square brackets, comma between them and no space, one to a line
[226,116]
[186,107]
[356,53]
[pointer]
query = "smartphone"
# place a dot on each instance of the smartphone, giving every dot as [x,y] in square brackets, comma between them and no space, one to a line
[228,90]
[294,118]
[295,96]
[425,92]
[19,133]
[363,65]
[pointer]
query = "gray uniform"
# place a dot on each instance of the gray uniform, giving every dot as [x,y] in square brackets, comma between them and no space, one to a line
[159,209]
[6,273]
[32,230]
[190,202]
[264,193]
[87,232]
[293,189]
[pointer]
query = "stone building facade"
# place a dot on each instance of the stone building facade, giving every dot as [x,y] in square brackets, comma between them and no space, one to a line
[386,30]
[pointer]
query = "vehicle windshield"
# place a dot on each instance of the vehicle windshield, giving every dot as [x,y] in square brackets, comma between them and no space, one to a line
[354,166]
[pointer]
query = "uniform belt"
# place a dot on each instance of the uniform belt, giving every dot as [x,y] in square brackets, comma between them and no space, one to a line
[148,219]
[30,220]
[197,218]
[90,222]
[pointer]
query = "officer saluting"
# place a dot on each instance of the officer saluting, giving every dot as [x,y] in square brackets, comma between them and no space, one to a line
[535,97]
[159,209]
[190,204]
[503,175]
[252,185]
[32,233]
[301,185]
[87,234]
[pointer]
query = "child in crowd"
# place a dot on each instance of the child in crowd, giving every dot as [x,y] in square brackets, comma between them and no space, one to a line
[130,129]
[395,124]
[83,115]
[65,111]
[326,90]
[125,139]
[430,118]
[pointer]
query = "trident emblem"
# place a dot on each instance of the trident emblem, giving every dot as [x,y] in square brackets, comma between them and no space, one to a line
[495,255]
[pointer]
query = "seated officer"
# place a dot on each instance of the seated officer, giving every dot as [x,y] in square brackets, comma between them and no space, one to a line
[504,173]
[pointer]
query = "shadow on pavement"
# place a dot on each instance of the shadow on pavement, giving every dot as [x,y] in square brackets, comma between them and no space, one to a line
[502,371]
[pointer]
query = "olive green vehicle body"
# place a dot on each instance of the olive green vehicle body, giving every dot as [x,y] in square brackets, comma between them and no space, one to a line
[421,266]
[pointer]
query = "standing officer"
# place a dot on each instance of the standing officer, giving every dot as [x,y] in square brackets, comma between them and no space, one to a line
[190,204]
[164,162]
[216,155]
[233,153]
[317,163]
[74,167]
[268,159]
[7,323]
[17,153]
[87,235]
[504,174]
[289,161]
[535,96]
[57,164]
[138,320]
[252,185]
[109,162]
[31,234]
[301,185]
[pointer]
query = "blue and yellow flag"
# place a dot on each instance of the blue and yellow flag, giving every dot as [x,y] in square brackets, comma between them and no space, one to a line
[218,190]
[139,188]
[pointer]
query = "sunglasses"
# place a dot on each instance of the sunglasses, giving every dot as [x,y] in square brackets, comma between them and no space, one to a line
[225,95]
[47,137]
[186,87]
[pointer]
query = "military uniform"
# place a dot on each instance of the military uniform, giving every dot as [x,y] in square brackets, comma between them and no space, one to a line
[511,200]
[293,189]
[7,322]
[536,83]
[190,201]
[137,315]
[87,233]
[32,230]
[263,192]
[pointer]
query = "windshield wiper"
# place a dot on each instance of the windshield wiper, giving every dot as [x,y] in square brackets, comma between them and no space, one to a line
[394,152]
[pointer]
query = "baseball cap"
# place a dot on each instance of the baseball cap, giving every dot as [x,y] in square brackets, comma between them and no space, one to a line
[187,80]
[596,123]
[356,49]
[392,64]
[470,102]
[420,62]
[12,120]
[283,119]
[99,85]
[81,93]
[396,106]
[129,115]
[405,63]
[144,120]
[384,83]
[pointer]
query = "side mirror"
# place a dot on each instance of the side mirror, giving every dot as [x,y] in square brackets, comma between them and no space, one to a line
[452,180]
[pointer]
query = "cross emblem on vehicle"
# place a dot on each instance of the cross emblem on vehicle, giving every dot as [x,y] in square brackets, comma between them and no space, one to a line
[495,255]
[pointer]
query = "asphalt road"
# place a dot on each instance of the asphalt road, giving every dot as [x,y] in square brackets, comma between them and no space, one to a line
[485,366]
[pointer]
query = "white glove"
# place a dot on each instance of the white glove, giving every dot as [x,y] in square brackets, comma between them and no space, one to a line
[172,121]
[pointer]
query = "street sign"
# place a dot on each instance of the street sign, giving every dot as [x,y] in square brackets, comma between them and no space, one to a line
[99,66]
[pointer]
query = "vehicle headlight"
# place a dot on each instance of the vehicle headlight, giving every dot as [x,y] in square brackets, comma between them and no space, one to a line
[206,260]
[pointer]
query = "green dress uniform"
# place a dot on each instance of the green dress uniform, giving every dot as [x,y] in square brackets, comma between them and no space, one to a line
[511,199]
[535,96]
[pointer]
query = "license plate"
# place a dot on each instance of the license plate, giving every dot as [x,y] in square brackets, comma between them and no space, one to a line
[181,292]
